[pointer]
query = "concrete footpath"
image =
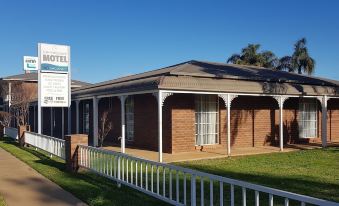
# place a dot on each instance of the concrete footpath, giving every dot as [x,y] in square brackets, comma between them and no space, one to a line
[21,185]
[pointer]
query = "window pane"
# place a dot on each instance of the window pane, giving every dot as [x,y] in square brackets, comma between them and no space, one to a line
[129,117]
[206,118]
[307,118]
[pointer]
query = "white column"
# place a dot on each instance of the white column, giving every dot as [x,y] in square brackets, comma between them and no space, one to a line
[77,115]
[281,100]
[34,120]
[228,98]
[62,122]
[160,101]
[69,120]
[228,125]
[95,121]
[281,124]
[324,121]
[123,124]
[9,95]
[52,122]
[161,96]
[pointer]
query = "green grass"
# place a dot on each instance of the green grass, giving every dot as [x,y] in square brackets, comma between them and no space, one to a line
[2,201]
[309,172]
[87,186]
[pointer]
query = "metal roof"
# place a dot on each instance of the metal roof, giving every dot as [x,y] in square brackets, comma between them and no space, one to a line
[218,77]
[33,77]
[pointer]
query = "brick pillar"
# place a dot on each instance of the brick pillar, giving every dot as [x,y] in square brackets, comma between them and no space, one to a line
[71,150]
[21,134]
[1,131]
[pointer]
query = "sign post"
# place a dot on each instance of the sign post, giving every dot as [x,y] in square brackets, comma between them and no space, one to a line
[54,77]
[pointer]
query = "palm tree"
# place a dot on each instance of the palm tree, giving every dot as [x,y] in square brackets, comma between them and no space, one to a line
[285,64]
[300,61]
[250,56]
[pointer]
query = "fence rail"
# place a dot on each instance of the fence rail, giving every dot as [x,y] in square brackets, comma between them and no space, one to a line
[11,132]
[49,144]
[183,186]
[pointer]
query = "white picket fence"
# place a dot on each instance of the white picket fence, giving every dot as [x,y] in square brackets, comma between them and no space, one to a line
[49,144]
[181,186]
[11,132]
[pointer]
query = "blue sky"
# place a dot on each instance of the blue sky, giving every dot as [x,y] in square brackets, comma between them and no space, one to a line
[109,39]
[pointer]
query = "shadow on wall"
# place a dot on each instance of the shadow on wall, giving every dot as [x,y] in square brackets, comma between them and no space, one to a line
[245,118]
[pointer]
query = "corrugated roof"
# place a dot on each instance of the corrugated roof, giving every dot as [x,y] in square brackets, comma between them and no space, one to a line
[33,77]
[211,76]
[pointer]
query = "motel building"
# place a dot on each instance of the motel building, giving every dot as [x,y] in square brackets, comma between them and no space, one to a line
[198,109]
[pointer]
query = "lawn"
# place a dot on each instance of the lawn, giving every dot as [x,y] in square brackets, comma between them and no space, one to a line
[2,201]
[90,188]
[309,172]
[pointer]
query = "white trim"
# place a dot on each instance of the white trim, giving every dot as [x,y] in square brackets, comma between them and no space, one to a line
[85,97]
[242,94]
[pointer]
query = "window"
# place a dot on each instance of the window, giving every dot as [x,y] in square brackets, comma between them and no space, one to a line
[86,118]
[308,118]
[129,105]
[206,119]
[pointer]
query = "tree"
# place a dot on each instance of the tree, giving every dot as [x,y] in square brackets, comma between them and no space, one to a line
[250,55]
[300,61]
[21,96]
[285,64]
[5,119]
[105,127]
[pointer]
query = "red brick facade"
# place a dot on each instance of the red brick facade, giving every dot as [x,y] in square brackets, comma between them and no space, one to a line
[254,122]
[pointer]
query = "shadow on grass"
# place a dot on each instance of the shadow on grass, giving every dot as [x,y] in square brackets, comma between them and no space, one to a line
[43,159]
[299,184]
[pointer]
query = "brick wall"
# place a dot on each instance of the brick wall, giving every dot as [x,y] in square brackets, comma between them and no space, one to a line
[146,123]
[333,120]
[254,122]
[179,123]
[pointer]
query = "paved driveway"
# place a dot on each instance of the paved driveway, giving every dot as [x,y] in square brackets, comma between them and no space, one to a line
[21,185]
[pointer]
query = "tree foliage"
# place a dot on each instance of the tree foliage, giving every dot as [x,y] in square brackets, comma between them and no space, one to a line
[250,55]
[299,62]
[5,119]
[22,94]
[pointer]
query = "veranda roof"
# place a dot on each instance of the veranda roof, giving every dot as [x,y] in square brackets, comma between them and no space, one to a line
[215,77]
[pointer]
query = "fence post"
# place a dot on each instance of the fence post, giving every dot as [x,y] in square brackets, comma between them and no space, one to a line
[71,150]
[193,190]
[21,134]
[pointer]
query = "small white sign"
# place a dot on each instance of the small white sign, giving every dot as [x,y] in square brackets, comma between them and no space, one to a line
[54,90]
[54,58]
[30,63]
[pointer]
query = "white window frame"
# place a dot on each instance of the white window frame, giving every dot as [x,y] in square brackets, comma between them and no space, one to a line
[129,117]
[203,100]
[308,116]
[85,111]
